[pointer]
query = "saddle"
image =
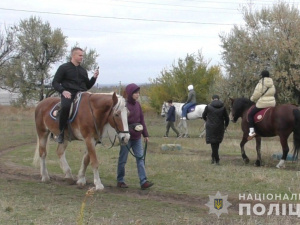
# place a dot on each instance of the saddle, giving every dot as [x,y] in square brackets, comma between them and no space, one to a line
[259,116]
[55,111]
[191,108]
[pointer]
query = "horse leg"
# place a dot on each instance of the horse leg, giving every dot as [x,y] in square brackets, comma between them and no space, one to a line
[203,133]
[258,150]
[179,126]
[90,143]
[60,151]
[186,132]
[81,174]
[285,151]
[41,152]
[242,145]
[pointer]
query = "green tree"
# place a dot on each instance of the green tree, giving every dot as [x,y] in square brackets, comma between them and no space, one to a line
[39,47]
[172,84]
[269,40]
[89,60]
[8,53]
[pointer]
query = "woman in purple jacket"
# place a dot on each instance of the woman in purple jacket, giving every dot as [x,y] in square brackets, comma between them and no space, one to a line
[137,128]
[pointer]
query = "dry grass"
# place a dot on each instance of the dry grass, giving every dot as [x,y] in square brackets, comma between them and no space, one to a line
[183,180]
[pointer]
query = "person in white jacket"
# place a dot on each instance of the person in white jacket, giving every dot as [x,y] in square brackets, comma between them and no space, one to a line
[264,96]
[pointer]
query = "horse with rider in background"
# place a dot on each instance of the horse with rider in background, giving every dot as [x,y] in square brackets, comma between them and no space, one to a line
[195,112]
[281,120]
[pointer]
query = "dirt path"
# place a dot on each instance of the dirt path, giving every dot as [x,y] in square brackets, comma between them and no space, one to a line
[12,171]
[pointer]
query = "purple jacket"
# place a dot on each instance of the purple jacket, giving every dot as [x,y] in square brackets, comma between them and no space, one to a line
[135,113]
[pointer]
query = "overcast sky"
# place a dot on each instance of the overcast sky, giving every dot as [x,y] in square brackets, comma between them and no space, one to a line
[136,39]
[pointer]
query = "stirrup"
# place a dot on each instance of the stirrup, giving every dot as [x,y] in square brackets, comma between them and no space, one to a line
[251,136]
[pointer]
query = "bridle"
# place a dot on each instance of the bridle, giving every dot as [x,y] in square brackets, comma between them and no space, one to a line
[115,123]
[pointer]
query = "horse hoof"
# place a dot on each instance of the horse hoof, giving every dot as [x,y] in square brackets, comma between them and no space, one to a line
[257,163]
[46,179]
[70,181]
[246,161]
[99,187]
[81,182]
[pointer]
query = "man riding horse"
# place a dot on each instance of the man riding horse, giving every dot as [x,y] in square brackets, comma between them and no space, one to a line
[71,78]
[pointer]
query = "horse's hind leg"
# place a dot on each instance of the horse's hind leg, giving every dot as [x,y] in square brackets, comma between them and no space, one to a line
[63,162]
[258,150]
[285,151]
[41,154]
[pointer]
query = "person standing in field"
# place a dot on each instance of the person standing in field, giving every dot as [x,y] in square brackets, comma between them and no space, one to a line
[217,120]
[171,119]
[137,128]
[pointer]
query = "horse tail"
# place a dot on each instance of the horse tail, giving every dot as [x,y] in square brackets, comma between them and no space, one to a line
[296,133]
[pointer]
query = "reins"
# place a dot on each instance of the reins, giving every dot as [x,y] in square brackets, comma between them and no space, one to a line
[94,120]
[96,127]
[139,157]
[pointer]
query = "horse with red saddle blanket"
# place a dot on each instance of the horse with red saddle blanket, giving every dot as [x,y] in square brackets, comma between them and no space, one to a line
[280,120]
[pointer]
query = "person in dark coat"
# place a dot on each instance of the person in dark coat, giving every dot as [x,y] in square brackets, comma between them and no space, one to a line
[217,120]
[171,119]
[71,78]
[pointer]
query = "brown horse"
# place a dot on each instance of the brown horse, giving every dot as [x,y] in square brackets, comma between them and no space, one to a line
[96,113]
[280,121]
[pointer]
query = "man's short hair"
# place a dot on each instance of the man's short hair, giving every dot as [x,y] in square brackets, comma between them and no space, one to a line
[76,49]
[215,97]
[170,101]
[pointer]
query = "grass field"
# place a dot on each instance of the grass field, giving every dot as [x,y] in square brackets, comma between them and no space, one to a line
[184,179]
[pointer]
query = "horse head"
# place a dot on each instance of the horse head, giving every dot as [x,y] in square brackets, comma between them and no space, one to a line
[238,107]
[164,109]
[119,118]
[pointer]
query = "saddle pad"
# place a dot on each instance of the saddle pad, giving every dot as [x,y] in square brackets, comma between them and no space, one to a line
[54,112]
[259,116]
[191,109]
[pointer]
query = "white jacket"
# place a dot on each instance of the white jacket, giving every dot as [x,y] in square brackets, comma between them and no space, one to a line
[264,98]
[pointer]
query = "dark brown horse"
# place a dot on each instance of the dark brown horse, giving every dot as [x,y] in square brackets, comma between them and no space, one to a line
[96,113]
[280,121]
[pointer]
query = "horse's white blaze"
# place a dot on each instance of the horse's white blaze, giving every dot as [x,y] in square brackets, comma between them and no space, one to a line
[281,164]
[124,115]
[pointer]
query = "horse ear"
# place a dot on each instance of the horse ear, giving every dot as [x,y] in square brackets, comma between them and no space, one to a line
[231,99]
[115,99]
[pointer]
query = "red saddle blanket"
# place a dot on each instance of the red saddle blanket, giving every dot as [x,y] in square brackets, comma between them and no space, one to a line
[260,115]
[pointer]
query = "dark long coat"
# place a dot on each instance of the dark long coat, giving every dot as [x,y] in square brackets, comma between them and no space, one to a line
[217,119]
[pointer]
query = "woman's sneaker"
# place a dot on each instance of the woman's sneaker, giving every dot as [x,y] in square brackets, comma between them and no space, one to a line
[146,185]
